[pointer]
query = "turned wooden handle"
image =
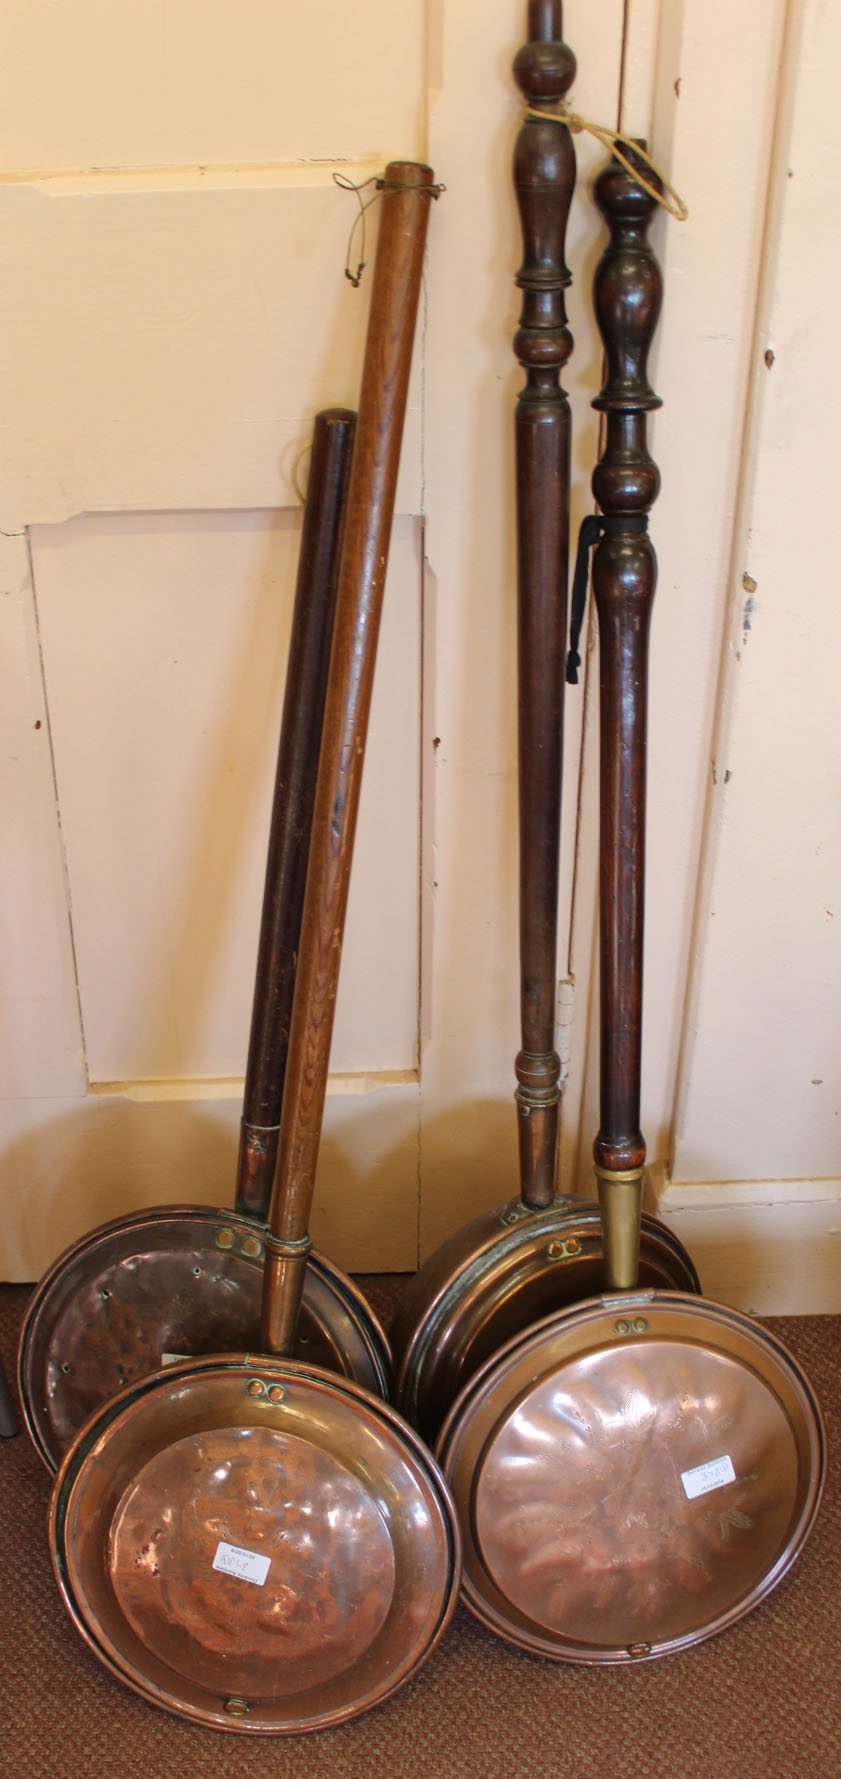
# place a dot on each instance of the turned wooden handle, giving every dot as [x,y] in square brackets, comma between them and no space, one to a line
[292,808]
[627,294]
[544,176]
[404,212]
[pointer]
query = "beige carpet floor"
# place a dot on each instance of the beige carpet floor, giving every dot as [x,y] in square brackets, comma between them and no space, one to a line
[763,1701]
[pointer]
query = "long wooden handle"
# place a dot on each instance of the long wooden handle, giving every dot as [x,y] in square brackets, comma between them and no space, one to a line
[406,195]
[292,808]
[544,176]
[627,293]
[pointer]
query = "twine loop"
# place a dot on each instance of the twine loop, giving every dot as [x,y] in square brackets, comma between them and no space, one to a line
[380,185]
[304,451]
[663,193]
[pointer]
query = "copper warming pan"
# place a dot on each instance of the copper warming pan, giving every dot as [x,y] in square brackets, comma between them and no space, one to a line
[537,1253]
[636,1474]
[185,1280]
[249,1541]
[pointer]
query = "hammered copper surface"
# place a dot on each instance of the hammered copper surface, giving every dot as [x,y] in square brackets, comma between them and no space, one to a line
[495,1278]
[323,1600]
[574,1458]
[176,1280]
[283,1462]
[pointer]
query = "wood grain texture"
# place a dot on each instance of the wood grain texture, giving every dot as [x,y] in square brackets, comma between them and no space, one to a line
[627,294]
[406,199]
[292,806]
[544,176]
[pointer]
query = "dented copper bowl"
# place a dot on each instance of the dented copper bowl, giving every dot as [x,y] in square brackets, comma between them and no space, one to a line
[174,1281]
[493,1279]
[266,1548]
[632,1476]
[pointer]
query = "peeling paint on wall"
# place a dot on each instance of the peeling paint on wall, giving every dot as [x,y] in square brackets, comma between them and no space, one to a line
[749,606]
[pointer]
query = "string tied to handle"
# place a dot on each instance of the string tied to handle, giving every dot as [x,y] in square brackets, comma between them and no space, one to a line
[594,527]
[662,192]
[380,185]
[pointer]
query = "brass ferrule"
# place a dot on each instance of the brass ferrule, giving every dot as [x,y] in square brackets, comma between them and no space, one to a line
[620,1202]
[288,1249]
[283,1288]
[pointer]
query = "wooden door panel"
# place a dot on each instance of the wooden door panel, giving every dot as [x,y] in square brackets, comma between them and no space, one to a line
[40,1040]
[166,350]
[165,641]
[173,310]
[69,1164]
[203,82]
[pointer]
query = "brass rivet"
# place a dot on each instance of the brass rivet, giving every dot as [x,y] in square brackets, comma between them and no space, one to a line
[237,1707]
[251,1248]
[555,1251]
[640,1325]
[573,1245]
[276,1393]
[638,1649]
[225,1238]
[255,1388]
[622,1327]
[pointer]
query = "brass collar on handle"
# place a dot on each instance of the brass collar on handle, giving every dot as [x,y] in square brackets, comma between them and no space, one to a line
[620,1202]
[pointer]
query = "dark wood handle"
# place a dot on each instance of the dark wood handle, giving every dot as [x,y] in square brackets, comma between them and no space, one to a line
[292,809]
[627,294]
[404,213]
[544,176]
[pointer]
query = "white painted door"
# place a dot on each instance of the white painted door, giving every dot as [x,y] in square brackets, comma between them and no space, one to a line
[173,311]
[741,1043]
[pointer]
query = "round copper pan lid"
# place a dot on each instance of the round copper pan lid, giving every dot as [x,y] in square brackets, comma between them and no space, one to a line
[255,1545]
[498,1276]
[632,1476]
[174,1280]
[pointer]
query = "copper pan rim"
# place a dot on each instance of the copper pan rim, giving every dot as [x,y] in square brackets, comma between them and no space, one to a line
[109,1348]
[493,1280]
[368,1624]
[632,1477]
[160,1214]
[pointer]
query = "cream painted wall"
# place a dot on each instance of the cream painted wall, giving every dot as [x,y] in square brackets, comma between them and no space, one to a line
[759,1095]
[167,327]
[741,987]
[173,312]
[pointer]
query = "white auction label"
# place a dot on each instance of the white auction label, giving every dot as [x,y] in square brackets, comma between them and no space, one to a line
[247,1564]
[704,1477]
